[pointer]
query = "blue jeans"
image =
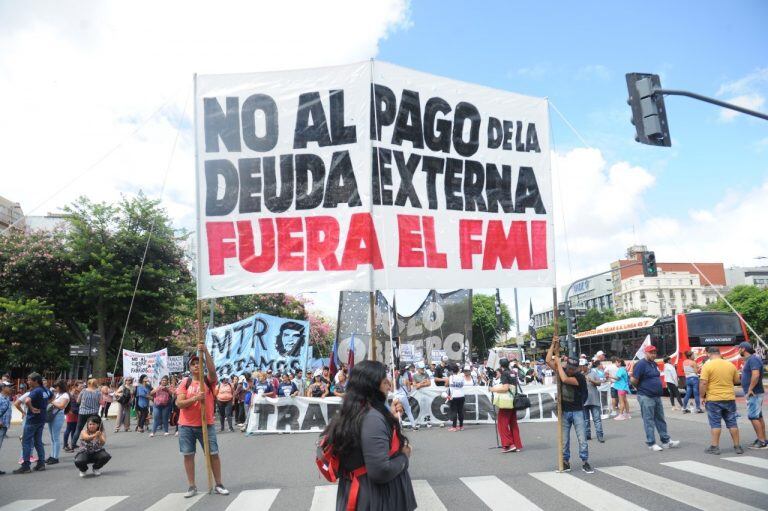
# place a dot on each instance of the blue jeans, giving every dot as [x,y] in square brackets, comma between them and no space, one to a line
[579,424]
[54,428]
[33,434]
[160,416]
[653,417]
[593,411]
[692,389]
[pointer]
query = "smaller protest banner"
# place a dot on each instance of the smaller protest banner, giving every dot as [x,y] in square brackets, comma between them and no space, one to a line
[176,364]
[154,365]
[437,355]
[406,353]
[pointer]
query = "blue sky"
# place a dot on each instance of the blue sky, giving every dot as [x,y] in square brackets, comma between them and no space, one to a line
[105,90]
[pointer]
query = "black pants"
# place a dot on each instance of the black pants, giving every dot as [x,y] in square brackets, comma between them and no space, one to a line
[225,411]
[141,415]
[674,393]
[104,410]
[98,458]
[240,412]
[457,411]
[69,434]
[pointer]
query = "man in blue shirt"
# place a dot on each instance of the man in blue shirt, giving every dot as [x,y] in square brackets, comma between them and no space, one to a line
[647,379]
[36,402]
[752,383]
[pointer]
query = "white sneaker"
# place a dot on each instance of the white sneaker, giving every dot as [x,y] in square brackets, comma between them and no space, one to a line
[655,448]
[671,444]
[82,474]
[96,472]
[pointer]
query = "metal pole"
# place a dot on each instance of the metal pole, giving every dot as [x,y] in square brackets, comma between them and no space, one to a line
[672,92]
[90,352]
[373,325]
[517,318]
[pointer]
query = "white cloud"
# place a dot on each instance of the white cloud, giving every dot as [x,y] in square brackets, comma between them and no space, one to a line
[751,101]
[593,71]
[748,92]
[78,77]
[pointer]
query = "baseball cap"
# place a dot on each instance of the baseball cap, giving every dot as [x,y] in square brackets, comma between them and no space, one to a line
[467,367]
[193,358]
[419,365]
[445,358]
[746,346]
[583,362]
[650,349]
[599,353]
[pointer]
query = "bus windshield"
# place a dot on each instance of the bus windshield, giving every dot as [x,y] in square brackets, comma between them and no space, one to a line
[713,324]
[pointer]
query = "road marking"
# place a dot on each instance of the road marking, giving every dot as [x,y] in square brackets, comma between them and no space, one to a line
[324,498]
[584,493]
[97,503]
[750,460]
[175,502]
[25,505]
[723,475]
[498,495]
[254,500]
[684,493]
[426,497]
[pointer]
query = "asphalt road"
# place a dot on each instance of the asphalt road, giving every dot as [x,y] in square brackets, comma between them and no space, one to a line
[146,470]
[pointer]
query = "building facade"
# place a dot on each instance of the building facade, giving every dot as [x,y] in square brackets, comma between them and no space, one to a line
[10,214]
[751,276]
[679,287]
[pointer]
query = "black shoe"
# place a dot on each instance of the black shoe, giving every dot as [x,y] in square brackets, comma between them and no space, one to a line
[586,467]
[2,473]
[39,467]
[589,437]
[51,461]
[686,411]
[24,469]
[566,466]
[601,439]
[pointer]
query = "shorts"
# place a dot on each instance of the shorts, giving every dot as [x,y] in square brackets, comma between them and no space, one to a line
[755,407]
[725,410]
[614,393]
[622,392]
[189,436]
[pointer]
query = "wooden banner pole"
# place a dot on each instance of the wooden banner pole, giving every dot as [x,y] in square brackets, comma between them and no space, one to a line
[556,353]
[204,419]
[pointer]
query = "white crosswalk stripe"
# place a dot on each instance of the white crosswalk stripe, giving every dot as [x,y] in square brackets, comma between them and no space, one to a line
[722,475]
[498,495]
[426,498]
[25,505]
[752,461]
[324,498]
[254,500]
[697,498]
[585,493]
[97,503]
[175,502]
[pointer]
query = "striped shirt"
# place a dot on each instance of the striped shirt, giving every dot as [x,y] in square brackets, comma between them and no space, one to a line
[89,402]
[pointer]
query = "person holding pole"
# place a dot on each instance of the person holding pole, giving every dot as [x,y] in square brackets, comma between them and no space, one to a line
[190,393]
[574,394]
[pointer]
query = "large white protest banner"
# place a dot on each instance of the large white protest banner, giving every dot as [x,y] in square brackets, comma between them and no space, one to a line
[306,414]
[154,365]
[369,176]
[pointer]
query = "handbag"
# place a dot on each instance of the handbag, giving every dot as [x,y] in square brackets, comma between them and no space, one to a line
[50,413]
[520,401]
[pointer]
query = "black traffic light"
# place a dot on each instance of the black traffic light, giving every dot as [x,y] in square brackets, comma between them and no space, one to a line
[648,112]
[649,265]
[572,321]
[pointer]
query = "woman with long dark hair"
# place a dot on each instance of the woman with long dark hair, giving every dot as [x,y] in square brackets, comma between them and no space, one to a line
[364,434]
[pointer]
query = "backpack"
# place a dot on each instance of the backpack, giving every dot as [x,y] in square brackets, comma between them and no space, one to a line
[328,464]
[125,397]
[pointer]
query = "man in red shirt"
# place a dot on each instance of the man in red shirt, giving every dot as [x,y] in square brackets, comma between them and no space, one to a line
[190,393]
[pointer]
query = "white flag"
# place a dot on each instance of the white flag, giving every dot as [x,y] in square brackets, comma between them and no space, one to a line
[640,352]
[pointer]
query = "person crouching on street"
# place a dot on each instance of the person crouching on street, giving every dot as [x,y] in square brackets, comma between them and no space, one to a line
[91,451]
[190,393]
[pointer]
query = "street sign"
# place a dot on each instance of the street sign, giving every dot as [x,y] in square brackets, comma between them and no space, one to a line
[533,345]
[78,350]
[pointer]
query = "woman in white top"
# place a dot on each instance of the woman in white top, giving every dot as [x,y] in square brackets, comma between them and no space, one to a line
[58,405]
[456,384]
[670,377]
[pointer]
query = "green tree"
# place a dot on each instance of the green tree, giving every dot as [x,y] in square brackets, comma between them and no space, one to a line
[484,322]
[30,336]
[751,302]
[593,318]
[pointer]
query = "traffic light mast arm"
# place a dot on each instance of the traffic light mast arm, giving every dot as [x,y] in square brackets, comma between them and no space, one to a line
[670,92]
[570,342]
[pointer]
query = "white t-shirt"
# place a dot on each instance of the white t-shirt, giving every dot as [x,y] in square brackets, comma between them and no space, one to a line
[456,382]
[670,374]
[61,399]
[610,370]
